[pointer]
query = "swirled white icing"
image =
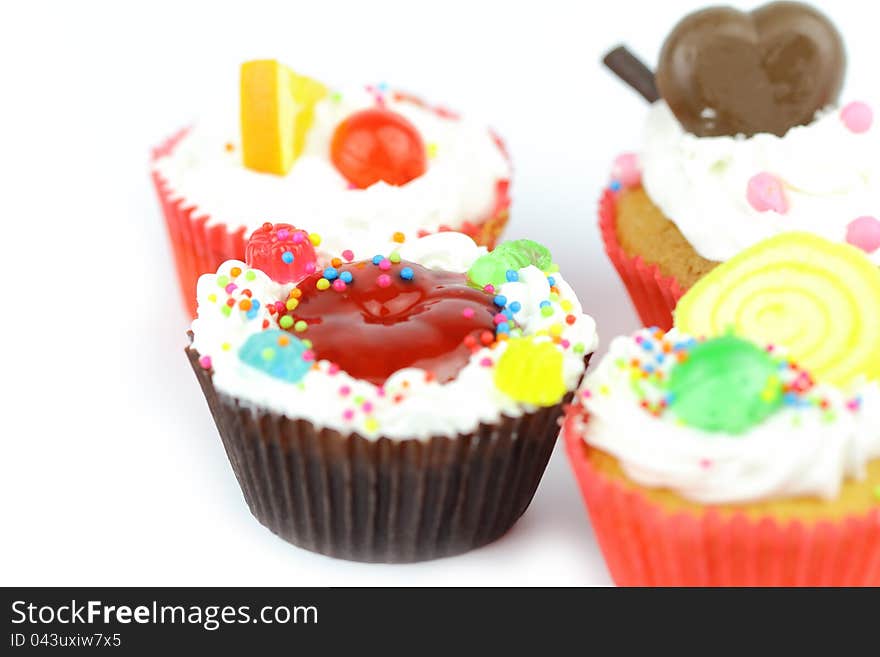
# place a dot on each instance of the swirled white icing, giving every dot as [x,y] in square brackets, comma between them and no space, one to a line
[409,404]
[801,450]
[460,184]
[830,177]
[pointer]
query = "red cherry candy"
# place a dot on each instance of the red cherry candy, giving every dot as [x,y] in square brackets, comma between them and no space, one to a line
[378,144]
[283,252]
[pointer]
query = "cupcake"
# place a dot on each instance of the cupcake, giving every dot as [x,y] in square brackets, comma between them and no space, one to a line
[366,165]
[744,140]
[398,407]
[742,447]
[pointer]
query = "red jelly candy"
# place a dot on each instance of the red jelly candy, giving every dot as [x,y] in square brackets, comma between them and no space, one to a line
[284,253]
[378,144]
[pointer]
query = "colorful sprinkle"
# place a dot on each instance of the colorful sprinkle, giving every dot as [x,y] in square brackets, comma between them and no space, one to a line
[300,326]
[322,284]
[348,254]
[346,277]
[407,273]
[384,280]
[398,237]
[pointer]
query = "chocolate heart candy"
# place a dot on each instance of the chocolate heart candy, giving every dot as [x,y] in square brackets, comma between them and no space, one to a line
[727,72]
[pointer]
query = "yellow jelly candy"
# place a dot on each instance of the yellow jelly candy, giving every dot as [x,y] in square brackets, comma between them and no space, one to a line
[530,371]
[817,299]
[277,110]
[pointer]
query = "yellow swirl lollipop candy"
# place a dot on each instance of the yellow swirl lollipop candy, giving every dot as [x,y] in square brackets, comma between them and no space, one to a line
[819,300]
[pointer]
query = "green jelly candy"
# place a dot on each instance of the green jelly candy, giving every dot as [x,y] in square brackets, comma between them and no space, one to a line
[727,384]
[492,268]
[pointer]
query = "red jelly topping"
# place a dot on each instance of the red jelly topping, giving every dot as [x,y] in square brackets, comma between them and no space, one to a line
[378,144]
[382,322]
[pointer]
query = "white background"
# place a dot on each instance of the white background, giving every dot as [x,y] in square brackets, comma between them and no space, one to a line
[112,471]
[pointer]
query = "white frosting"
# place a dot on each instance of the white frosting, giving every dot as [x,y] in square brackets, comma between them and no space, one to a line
[831,177]
[797,451]
[459,185]
[428,408]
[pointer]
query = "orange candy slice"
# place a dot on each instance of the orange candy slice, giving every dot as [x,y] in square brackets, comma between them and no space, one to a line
[277,110]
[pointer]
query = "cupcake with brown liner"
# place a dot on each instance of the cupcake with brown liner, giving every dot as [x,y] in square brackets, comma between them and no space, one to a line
[744,140]
[367,165]
[401,407]
[743,446]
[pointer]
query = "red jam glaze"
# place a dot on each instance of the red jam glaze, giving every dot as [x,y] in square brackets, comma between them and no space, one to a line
[372,331]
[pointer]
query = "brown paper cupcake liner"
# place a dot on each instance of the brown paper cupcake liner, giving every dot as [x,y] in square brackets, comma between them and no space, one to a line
[382,500]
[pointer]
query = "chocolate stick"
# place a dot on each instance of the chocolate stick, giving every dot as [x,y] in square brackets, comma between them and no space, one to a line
[631,70]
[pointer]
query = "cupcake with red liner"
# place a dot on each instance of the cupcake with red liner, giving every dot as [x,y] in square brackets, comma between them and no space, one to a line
[371,167]
[396,407]
[744,140]
[743,446]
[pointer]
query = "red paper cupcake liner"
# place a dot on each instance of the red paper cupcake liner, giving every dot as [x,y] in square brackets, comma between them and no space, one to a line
[646,545]
[653,294]
[382,500]
[200,248]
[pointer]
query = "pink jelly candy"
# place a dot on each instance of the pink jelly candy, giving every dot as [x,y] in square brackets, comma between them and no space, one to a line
[765,193]
[864,233]
[627,170]
[284,253]
[857,117]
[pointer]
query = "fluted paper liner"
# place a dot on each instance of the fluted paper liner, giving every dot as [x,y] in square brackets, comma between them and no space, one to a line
[382,500]
[201,245]
[653,294]
[647,545]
